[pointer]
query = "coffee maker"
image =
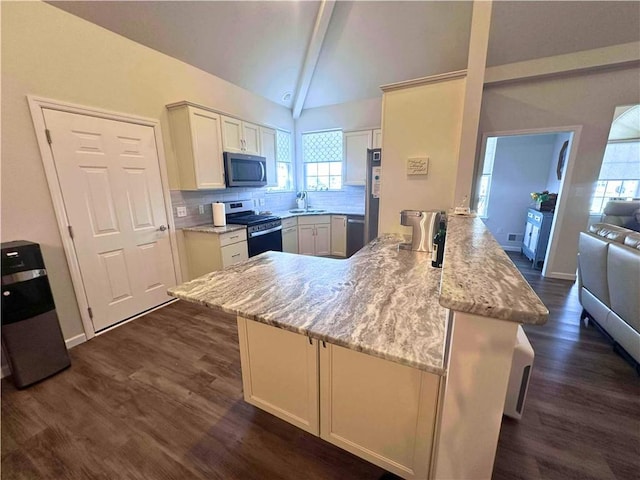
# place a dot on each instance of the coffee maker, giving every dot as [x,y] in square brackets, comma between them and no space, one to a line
[424,225]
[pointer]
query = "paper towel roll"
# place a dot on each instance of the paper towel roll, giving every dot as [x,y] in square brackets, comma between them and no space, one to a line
[219,217]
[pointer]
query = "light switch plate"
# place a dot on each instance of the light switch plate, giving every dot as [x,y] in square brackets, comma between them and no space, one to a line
[201,209]
[181,211]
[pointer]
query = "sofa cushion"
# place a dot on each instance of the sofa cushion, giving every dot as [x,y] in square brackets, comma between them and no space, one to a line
[633,240]
[592,263]
[623,273]
[611,232]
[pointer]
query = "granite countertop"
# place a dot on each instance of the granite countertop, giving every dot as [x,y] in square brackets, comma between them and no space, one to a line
[209,228]
[479,277]
[382,301]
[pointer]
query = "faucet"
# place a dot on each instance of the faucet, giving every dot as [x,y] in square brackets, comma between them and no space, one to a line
[306,200]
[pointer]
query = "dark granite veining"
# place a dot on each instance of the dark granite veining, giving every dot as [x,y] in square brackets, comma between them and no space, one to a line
[479,277]
[381,301]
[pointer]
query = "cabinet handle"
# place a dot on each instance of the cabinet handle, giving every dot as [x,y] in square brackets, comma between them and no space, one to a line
[345,221]
[310,341]
[235,236]
[236,255]
[324,345]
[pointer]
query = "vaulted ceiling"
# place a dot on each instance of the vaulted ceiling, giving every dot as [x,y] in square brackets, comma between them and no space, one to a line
[262,45]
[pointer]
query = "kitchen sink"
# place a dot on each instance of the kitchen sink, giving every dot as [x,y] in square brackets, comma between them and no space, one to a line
[311,210]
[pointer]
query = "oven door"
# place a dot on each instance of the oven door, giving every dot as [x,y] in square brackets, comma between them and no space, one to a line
[259,242]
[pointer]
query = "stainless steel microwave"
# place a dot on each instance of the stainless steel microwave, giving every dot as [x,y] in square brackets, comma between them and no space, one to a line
[245,170]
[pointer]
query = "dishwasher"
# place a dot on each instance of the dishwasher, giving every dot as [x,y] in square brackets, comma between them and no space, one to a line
[355,233]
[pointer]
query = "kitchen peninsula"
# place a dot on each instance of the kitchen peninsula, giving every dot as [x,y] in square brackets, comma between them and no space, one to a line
[378,354]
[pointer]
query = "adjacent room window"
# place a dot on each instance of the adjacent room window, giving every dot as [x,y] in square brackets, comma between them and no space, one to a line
[485,179]
[619,176]
[322,160]
[284,164]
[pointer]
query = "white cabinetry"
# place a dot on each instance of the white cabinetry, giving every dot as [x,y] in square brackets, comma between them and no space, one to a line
[196,136]
[240,136]
[207,252]
[268,150]
[314,235]
[280,373]
[355,145]
[339,235]
[290,235]
[377,138]
[379,410]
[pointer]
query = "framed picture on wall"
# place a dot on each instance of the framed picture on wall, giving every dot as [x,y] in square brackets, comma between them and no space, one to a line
[562,159]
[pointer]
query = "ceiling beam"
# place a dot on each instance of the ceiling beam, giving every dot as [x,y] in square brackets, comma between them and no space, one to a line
[313,53]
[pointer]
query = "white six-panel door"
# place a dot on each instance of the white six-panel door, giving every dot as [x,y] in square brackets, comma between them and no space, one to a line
[110,180]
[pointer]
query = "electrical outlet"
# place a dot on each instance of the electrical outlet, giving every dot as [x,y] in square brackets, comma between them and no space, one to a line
[261,202]
[181,211]
[201,209]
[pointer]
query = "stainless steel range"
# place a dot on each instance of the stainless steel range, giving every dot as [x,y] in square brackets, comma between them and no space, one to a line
[263,231]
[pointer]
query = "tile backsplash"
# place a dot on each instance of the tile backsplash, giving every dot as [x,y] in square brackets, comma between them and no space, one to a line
[193,201]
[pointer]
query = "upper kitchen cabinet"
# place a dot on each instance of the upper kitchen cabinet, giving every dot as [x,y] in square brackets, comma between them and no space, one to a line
[268,151]
[377,138]
[240,137]
[355,145]
[197,141]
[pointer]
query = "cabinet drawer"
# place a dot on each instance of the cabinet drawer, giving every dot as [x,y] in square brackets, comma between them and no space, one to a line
[233,237]
[289,222]
[234,253]
[314,219]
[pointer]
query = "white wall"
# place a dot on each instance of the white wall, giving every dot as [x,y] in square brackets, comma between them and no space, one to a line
[587,100]
[420,121]
[51,53]
[521,166]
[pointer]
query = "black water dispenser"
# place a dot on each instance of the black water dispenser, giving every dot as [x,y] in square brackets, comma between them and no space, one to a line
[31,335]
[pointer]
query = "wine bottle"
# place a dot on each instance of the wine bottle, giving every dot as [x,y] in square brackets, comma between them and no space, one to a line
[438,246]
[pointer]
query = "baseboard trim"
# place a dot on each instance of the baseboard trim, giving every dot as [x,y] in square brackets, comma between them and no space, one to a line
[74,341]
[5,371]
[562,276]
[511,248]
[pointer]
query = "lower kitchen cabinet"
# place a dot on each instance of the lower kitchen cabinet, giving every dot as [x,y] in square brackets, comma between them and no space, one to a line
[378,410]
[208,252]
[280,373]
[314,235]
[339,235]
[290,235]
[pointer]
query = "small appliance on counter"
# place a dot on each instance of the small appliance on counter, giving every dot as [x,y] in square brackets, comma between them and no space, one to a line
[424,225]
[31,335]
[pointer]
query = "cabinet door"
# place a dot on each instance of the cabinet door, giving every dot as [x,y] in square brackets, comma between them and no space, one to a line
[355,156]
[378,410]
[339,235]
[234,253]
[268,146]
[323,239]
[280,373]
[232,135]
[251,138]
[533,243]
[290,240]
[377,138]
[306,240]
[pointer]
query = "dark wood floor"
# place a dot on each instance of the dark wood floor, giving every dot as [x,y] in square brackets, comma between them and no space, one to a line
[161,398]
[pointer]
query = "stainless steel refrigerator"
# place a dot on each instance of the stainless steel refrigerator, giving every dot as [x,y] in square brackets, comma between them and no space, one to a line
[372,194]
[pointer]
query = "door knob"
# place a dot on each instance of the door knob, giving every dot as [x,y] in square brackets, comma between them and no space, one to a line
[162,228]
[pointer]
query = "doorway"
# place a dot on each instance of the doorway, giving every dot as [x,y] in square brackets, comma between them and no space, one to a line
[519,188]
[105,174]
